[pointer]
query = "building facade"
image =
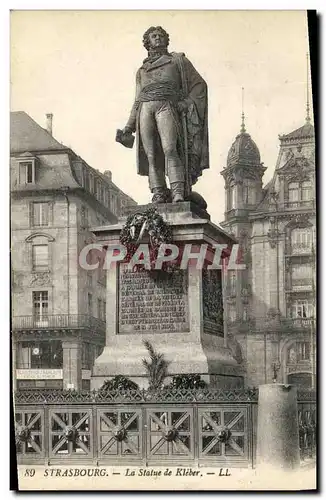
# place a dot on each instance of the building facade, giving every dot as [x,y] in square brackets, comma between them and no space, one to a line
[58,308]
[271,304]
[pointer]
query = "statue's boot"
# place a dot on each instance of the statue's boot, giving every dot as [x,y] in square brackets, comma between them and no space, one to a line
[177,191]
[159,195]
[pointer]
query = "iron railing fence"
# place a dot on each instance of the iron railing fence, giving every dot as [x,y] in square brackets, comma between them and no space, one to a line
[55,396]
[181,427]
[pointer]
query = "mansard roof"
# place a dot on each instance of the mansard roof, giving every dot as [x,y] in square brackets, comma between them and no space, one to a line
[27,135]
[305,132]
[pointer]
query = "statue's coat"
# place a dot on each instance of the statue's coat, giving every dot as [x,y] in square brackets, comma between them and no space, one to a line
[194,90]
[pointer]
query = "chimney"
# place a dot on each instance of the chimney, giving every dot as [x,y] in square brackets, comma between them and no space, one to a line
[49,118]
[108,174]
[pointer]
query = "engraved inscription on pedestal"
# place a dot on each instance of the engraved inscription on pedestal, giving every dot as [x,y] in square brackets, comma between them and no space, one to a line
[152,301]
[213,302]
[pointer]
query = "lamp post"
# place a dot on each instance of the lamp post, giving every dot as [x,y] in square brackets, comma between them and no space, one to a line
[275,367]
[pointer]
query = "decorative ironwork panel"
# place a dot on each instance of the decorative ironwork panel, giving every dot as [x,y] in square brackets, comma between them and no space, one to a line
[119,433]
[213,302]
[170,434]
[70,433]
[29,433]
[223,434]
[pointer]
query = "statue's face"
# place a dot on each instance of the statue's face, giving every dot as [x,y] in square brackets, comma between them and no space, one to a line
[157,39]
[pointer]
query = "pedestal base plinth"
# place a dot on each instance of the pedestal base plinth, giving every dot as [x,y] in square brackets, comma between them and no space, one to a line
[214,363]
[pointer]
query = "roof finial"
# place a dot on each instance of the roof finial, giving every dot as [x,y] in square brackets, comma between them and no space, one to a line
[307,105]
[243,128]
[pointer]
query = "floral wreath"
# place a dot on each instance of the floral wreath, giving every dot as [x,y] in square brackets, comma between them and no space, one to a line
[151,222]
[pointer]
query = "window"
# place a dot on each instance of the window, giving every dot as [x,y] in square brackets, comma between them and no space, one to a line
[306,191]
[40,257]
[90,304]
[100,192]
[40,215]
[87,181]
[41,355]
[301,240]
[40,305]
[302,309]
[300,191]
[105,197]
[113,203]
[89,279]
[301,275]
[27,172]
[248,194]
[232,198]
[91,183]
[303,351]
[293,191]
[245,315]
[87,356]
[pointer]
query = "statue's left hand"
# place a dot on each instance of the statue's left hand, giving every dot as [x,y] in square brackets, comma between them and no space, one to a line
[182,106]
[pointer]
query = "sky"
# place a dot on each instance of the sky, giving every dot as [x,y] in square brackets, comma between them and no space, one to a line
[81,66]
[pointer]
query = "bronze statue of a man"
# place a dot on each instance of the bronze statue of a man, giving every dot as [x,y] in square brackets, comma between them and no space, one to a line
[169,117]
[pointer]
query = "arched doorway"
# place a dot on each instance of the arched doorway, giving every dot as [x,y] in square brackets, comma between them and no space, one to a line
[302,380]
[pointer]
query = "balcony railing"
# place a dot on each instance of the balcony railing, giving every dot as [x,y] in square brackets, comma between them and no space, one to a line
[301,284]
[292,205]
[297,322]
[58,321]
[301,248]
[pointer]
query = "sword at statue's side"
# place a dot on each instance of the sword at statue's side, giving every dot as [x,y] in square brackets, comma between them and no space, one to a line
[186,165]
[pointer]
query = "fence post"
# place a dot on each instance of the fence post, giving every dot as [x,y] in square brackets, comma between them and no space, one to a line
[278,429]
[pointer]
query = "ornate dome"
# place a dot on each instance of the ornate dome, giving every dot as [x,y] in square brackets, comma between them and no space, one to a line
[243,150]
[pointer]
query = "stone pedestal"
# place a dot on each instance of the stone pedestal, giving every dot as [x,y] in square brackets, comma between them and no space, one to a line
[278,428]
[72,365]
[174,311]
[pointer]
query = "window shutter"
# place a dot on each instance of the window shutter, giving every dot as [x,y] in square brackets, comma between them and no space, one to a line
[45,214]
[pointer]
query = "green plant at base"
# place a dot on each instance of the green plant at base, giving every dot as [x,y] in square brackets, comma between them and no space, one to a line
[156,368]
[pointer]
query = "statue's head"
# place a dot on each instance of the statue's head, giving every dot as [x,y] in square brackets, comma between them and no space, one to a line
[155,38]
